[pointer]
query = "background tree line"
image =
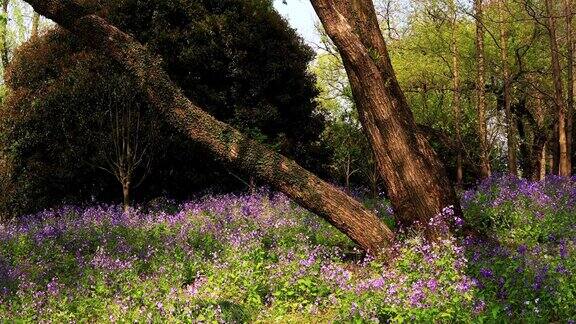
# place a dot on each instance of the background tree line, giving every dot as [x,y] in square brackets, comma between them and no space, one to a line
[490,82]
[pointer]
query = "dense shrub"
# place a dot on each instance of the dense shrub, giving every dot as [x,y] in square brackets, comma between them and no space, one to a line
[236,58]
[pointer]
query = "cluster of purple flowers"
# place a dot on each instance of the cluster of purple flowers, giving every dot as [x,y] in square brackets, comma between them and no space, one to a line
[264,254]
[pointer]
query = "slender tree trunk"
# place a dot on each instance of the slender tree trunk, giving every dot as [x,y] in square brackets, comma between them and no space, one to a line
[126,196]
[414,177]
[569,13]
[456,102]
[226,143]
[485,169]
[252,184]
[529,145]
[542,165]
[538,157]
[35,25]
[374,183]
[4,37]
[457,108]
[554,149]
[347,173]
[424,96]
[510,118]
[541,135]
[564,161]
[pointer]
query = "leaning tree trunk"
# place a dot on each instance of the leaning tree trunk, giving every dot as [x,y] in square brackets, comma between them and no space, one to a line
[224,142]
[564,161]
[414,177]
[481,91]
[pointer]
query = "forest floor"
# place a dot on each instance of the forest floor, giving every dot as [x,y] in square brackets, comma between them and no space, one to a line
[250,258]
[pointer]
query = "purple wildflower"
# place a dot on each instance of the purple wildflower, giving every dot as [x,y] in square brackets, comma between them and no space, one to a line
[486,272]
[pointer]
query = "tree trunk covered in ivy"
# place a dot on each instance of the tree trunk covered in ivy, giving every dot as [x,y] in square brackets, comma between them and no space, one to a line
[414,177]
[226,143]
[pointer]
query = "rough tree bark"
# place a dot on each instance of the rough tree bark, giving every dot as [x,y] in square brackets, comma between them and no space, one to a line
[485,169]
[223,141]
[564,161]
[414,177]
[510,120]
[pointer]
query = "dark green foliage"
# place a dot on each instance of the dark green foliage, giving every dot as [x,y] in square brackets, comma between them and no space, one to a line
[238,59]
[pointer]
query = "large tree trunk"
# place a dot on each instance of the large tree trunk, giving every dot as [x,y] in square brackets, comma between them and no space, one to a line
[485,169]
[564,161]
[510,120]
[223,141]
[414,177]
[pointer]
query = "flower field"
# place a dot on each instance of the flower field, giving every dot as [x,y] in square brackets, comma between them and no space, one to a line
[260,258]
